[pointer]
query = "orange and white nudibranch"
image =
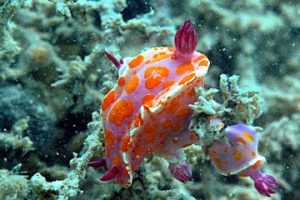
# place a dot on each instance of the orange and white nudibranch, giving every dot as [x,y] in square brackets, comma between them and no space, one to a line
[147,111]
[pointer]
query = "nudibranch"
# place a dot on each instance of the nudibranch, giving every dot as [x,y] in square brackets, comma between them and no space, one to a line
[147,111]
[239,155]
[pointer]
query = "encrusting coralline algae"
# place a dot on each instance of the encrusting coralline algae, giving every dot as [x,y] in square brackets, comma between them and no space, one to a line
[52,57]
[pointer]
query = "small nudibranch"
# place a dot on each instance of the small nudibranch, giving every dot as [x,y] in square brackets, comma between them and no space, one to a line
[147,111]
[239,155]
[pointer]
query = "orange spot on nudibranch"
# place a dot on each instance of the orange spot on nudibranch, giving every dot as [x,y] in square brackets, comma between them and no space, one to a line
[218,162]
[120,110]
[117,160]
[125,146]
[149,103]
[136,61]
[146,107]
[161,70]
[147,99]
[159,57]
[248,136]
[172,107]
[203,63]
[132,84]
[108,100]
[184,67]
[237,155]
[256,165]
[174,57]
[168,84]
[201,57]
[121,81]
[109,137]
[172,49]
[240,139]
[153,81]
[243,174]
[187,78]
[138,121]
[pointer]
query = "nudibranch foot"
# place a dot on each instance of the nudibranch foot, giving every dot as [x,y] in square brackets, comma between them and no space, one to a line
[113,59]
[111,173]
[98,163]
[186,40]
[181,171]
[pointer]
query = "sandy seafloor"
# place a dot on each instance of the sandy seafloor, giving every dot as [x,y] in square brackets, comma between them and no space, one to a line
[53,77]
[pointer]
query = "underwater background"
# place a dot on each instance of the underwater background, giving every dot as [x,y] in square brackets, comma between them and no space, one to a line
[53,77]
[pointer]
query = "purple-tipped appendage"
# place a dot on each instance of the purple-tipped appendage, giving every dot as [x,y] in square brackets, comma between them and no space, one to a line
[98,163]
[113,59]
[186,40]
[265,184]
[111,173]
[181,171]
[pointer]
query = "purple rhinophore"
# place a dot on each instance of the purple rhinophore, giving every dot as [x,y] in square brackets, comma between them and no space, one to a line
[113,59]
[98,163]
[186,40]
[181,171]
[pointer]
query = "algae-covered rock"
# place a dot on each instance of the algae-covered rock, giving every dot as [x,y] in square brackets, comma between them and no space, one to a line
[13,186]
[17,103]
[232,104]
